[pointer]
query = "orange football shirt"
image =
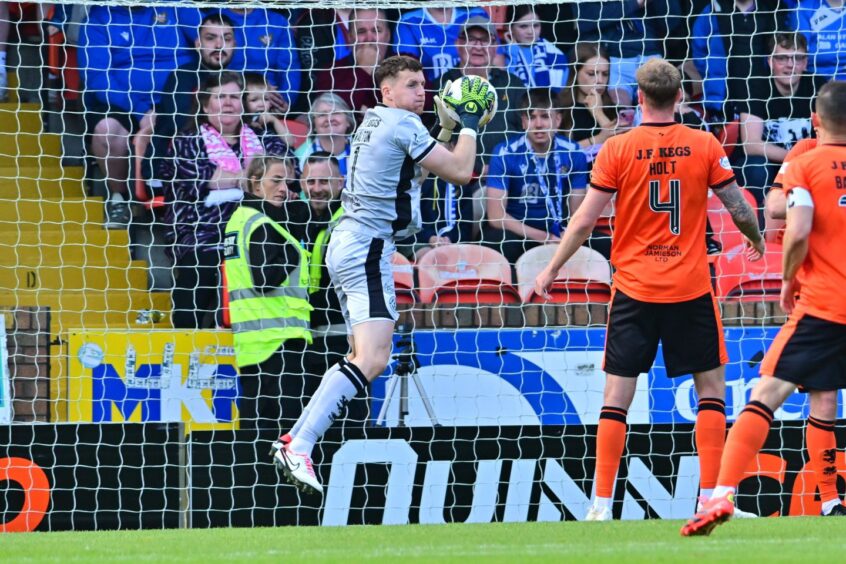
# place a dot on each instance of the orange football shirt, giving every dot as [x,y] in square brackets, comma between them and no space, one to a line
[661,174]
[799,148]
[823,273]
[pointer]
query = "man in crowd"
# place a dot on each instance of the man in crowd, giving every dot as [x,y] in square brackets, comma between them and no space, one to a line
[632,32]
[729,43]
[352,77]
[823,24]
[266,46]
[429,34]
[476,46]
[215,45]
[777,113]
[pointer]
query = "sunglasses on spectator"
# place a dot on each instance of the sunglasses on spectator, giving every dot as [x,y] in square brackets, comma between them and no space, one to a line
[796,58]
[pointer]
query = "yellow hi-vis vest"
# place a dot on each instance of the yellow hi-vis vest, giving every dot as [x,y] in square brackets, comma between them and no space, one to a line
[262,321]
[318,252]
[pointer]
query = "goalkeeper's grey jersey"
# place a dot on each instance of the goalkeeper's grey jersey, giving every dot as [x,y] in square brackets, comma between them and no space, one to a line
[382,193]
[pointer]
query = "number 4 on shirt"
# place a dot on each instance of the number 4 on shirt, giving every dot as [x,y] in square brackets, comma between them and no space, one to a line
[671,206]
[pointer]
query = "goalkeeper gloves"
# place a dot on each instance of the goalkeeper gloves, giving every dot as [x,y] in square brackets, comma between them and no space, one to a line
[446,122]
[476,100]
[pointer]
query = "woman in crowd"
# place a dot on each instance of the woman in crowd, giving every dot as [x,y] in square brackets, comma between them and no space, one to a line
[537,61]
[204,172]
[331,122]
[590,116]
[262,256]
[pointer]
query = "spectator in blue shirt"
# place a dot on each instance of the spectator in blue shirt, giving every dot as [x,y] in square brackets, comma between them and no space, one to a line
[823,23]
[536,181]
[537,62]
[126,56]
[266,45]
[729,46]
[429,35]
[631,31]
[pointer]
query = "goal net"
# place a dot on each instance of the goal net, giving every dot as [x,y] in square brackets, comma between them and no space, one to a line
[129,135]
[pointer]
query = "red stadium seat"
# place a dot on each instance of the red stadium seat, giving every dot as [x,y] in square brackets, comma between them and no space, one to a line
[225,319]
[62,61]
[497,15]
[729,136]
[142,192]
[298,130]
[725,231]
[586,278]
[743,281]
[605,223]
[465,274]
[403,280]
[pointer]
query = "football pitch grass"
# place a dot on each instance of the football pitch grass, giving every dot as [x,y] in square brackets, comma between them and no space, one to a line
[758,541]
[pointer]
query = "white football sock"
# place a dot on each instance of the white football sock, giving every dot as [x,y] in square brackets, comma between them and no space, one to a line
[706,492]
[332,369]
[722,491]
[602,503]
[827,506]
[342,385]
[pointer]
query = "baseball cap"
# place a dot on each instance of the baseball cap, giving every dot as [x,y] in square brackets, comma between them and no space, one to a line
[480,22]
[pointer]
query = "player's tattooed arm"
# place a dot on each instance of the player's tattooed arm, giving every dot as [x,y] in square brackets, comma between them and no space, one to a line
[741,212]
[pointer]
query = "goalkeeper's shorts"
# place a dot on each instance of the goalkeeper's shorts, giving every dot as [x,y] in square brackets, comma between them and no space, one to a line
[361,272]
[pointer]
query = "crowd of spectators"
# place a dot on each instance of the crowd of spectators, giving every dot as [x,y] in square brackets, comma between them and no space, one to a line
[214,88]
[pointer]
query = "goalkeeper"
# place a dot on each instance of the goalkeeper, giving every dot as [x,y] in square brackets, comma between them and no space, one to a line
[391,154]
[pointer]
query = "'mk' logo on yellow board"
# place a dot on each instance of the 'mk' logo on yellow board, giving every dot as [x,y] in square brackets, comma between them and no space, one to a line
[154,376]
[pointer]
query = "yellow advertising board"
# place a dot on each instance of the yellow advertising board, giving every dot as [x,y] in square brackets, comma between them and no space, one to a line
[153,375]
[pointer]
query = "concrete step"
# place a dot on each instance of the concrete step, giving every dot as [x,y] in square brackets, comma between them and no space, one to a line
[27,188]
[74,277]
[40,173]
[33,160]
[26,214]
[23,144]
[16,118]
[28,241]
[77,310]
[84,253]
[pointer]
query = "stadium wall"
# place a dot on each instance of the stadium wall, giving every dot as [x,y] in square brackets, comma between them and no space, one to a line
[89,476]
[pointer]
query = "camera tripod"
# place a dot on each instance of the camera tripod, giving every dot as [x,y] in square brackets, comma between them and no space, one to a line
[406,367]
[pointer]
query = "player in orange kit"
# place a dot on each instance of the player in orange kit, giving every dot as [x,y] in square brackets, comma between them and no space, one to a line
[660,173]
[776,204]
[820,427]
[810,349]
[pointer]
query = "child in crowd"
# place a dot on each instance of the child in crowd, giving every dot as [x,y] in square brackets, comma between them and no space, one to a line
[265,108]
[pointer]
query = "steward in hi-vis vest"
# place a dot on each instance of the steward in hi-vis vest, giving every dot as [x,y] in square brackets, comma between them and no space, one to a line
[262,317]
[267,271]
